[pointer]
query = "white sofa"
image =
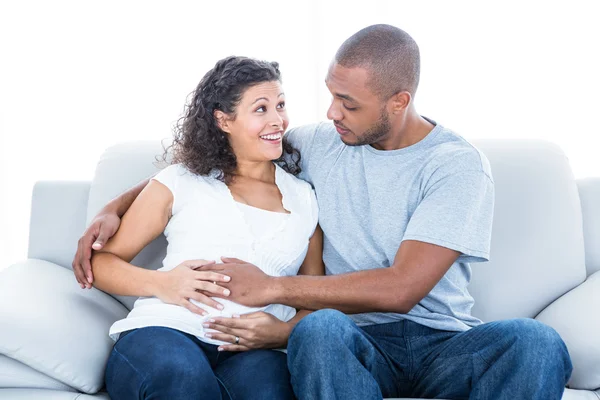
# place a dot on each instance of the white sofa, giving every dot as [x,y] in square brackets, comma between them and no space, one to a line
[545,262]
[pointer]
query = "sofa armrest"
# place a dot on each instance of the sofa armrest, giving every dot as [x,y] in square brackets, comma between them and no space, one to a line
[58,215]
[589,195]
[576,317]
[53,326]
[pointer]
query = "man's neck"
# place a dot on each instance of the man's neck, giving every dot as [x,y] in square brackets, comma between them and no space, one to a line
[412,130]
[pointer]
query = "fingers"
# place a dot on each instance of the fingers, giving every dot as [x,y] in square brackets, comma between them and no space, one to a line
[100,241]
[257,314]
[233,347]
[211,267]
[227,335]
[81,264]
[193,308]
[201,263]
[241,345]
[211,276]
[202,298]
[231,260]
[197,263]
[85,260]
[77,269]
[211,288]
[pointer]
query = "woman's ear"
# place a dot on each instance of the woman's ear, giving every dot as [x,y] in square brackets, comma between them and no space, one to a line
[222,120]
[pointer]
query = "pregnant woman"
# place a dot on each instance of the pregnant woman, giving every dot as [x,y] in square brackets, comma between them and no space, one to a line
[230,191]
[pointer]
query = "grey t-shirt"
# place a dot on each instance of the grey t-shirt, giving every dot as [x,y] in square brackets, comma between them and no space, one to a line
[439,190]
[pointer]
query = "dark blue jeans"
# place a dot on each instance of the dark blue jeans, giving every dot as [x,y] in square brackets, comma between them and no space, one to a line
[329,357]
[163,363]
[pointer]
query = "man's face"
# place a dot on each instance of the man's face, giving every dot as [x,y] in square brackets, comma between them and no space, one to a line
[358,114]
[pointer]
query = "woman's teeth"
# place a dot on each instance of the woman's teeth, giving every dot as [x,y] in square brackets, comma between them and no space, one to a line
[274,136]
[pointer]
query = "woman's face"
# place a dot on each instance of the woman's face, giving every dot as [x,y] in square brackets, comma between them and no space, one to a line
[261,120]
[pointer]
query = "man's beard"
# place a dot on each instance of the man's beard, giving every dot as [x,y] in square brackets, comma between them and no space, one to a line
[375,133]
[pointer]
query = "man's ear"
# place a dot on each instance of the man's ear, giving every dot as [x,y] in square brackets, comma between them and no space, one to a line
[400,102]
[222,120]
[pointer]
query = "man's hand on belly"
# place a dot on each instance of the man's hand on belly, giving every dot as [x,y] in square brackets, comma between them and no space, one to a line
[249,285]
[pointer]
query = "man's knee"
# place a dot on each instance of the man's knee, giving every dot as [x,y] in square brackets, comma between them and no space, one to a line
[535,340]
[320,329]
[321,323]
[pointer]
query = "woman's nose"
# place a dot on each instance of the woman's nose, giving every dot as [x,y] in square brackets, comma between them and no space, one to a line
[277,121]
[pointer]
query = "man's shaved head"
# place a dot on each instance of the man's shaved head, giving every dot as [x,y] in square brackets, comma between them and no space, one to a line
[389,54]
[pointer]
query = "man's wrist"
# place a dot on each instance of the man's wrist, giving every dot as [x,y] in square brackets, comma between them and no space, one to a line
[112,207]
[276,290]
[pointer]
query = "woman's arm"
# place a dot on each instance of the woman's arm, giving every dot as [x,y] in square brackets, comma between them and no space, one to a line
[143,222]
[102,228]
[312,265]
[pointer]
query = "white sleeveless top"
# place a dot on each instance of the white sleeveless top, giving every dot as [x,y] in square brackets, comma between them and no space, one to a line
[207,223]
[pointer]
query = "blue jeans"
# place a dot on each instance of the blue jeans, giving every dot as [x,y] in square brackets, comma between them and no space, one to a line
[330,357]
[164,363]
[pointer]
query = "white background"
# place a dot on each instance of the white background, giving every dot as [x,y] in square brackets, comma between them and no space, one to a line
[79,76]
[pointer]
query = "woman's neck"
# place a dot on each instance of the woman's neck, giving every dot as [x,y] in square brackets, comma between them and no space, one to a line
[261,171]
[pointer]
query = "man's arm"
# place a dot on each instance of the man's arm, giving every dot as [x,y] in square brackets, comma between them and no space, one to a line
[121,204]
[102,228]
[417,268]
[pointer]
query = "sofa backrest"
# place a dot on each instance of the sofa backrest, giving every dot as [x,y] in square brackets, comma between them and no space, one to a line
[121,167]
[537,251]
[537,240]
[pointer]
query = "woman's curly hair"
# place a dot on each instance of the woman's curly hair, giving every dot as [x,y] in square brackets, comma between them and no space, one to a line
[199,144]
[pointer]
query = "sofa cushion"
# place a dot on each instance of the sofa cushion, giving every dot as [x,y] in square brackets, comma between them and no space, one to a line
[537,250]
[589,194]
[54,326]
[576,317]
[15,374]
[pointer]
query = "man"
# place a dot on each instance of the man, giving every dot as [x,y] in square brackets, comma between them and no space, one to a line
[405,206]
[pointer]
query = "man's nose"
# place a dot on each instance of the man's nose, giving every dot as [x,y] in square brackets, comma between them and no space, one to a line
[334,113]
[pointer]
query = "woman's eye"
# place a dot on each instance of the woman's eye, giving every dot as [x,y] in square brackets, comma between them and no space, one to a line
[261,109]
[281,105]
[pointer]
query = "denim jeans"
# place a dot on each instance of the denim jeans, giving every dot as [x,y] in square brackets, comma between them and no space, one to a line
[330,357]
[164,363]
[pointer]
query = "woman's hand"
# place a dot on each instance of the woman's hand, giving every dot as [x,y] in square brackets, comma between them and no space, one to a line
[257,330]
[183,283]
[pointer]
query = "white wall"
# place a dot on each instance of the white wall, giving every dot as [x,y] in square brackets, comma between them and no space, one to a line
[78,76]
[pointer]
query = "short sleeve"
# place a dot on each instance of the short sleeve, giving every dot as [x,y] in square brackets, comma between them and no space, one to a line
[314,206]
[302,137]
[169,176]
[456,212]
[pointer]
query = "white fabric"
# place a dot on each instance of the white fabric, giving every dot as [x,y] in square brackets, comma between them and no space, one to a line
[576,317]
[261,222]
[207,223]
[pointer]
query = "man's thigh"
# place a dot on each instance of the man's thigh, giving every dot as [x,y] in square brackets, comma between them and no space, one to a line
[329,345]
[486,360]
